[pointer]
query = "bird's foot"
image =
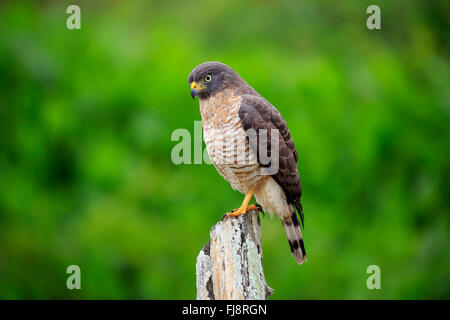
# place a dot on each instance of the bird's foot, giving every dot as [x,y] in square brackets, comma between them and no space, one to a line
[241,210]
[260,209]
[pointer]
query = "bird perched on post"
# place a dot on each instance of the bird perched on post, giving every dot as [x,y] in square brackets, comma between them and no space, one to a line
[249,143]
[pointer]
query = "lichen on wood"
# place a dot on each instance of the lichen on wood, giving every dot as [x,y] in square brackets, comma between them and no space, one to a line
[229,267]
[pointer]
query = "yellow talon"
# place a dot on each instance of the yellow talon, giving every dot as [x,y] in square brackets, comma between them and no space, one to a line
[244,207]
[238,212]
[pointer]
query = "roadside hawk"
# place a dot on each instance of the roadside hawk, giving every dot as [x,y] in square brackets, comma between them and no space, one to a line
[231,110]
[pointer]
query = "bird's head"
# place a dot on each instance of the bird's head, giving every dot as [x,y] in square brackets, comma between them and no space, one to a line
[211,77]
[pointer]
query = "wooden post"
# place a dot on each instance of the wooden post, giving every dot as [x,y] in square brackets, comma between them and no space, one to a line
[229,267]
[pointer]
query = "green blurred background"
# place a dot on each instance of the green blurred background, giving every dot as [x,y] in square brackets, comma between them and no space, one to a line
[86,118]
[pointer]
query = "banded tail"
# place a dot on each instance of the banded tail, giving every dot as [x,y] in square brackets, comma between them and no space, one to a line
[291,225]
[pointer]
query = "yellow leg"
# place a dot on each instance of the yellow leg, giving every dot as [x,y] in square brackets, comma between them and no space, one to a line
[244,206]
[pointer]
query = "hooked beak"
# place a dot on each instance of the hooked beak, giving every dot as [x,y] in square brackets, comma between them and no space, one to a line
[195,89]
[194,92]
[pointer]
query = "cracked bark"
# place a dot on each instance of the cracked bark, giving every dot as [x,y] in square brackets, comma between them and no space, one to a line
[229,267]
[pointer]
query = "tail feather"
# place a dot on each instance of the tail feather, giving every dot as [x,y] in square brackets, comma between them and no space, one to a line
[294,234]
[299,208]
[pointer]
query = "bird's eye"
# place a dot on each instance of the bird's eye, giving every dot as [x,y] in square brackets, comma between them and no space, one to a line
[208,78]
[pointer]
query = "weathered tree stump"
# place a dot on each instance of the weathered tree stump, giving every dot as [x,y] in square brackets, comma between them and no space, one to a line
[229,267]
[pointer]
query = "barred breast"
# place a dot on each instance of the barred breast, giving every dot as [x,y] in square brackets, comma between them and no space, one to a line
[226,141]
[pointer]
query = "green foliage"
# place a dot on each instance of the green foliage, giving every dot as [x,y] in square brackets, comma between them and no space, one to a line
[86,118]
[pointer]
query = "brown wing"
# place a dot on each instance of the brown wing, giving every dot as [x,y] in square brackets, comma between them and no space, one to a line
[257,113]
